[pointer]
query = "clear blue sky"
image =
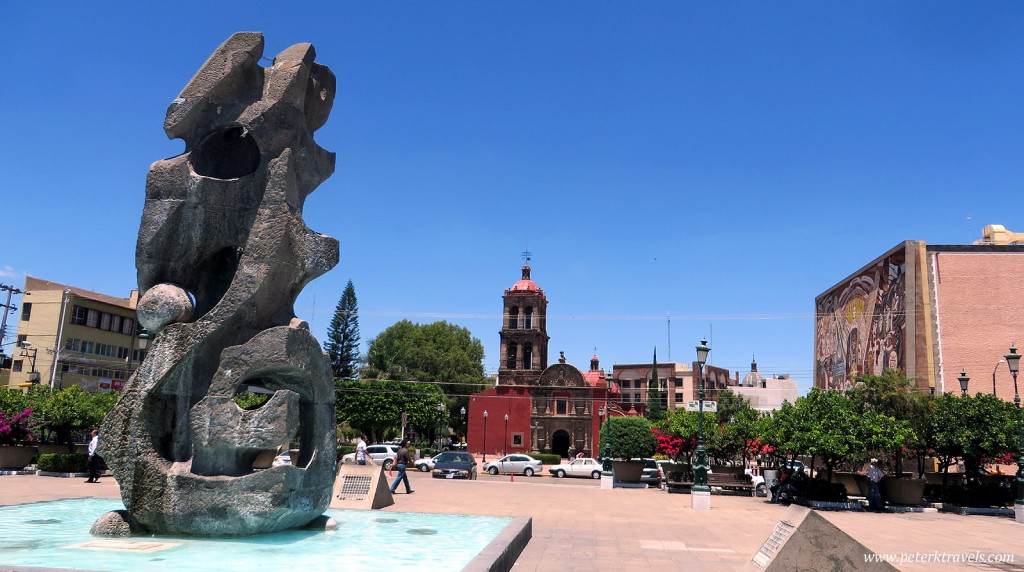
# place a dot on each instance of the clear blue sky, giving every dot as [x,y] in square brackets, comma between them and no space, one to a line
[720,163]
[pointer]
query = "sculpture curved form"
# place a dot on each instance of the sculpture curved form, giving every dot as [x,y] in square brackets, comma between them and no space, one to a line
[222,254]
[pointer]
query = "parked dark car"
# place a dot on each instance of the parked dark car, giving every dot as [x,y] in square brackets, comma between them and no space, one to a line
[652,474]
[454,465]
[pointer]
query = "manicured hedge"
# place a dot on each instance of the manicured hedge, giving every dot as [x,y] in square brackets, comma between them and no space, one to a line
[547,458]
[62,462]
[345,450]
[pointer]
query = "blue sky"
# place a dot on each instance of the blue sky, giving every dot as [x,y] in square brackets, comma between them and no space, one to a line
[720,163]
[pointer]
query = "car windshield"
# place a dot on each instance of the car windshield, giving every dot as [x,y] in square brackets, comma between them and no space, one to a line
[454,458]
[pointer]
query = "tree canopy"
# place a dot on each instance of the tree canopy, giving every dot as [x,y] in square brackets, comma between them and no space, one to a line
[342,344]
[376,407]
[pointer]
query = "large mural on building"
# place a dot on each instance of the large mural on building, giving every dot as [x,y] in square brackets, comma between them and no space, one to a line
[860,326]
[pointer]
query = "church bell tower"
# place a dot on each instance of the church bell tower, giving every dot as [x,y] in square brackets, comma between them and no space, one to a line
[524,335]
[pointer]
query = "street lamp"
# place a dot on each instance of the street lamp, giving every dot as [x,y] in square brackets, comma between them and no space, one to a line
[440,424]
[700,465]
[1013,362]
[464,428]
[504,443]
[963,379]
[606,462]
[485,435]
[994,376]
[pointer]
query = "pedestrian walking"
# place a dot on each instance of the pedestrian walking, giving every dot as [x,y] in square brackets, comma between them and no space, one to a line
[402,461]
[361,451]
[875,475]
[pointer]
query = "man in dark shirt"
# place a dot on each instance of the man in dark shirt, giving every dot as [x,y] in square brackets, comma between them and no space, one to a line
[402,461]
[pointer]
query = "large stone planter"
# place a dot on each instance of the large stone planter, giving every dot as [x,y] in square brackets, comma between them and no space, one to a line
[902,491]
[15,457]
[850,481]
[627,471]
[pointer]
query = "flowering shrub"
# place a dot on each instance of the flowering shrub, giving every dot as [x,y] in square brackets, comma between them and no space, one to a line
[667,445]
[15,428]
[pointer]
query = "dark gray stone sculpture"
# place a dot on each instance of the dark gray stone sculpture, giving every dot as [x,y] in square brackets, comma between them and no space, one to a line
[222,254]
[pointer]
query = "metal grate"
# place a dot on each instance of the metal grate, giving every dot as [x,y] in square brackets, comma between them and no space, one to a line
[355,487]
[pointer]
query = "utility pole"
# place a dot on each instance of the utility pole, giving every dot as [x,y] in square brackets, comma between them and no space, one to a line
[7,309]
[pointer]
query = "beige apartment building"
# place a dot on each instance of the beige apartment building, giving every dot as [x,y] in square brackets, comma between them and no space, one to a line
[67,335]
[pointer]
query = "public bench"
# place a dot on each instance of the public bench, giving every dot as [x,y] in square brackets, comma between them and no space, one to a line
[682,481]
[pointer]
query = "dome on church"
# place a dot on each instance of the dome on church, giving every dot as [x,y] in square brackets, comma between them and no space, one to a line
[526,284]
[754,378]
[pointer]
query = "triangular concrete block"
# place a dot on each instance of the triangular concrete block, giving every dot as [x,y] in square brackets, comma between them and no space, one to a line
[362,487]
[804,540]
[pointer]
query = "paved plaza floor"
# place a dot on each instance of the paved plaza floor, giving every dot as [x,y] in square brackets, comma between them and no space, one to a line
[579,526]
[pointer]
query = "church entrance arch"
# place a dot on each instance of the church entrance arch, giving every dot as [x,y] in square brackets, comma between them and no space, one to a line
[560,443]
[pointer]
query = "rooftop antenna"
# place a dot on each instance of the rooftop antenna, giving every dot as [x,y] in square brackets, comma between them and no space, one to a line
[669,318]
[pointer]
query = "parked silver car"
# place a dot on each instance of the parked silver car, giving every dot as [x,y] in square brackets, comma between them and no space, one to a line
[381,454]
[517,464]
[582,467]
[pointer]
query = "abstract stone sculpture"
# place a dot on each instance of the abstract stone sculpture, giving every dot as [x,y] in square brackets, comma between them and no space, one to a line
[222,254]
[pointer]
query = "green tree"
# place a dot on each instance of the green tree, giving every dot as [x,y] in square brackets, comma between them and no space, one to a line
[892,394]
[376,407]
[70,413]
[630,437]
[683,425]
[439,352]
[972,428]
[342,344]
[655,410]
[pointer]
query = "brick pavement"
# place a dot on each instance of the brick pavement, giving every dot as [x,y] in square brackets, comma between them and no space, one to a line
[579,526]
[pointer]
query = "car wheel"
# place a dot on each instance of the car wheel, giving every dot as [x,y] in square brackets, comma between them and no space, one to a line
[424,468]
[528,472]
[493,470]
[559,473]
[388,463]
[595,475]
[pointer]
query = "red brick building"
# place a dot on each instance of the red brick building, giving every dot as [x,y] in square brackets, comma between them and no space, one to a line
[932,311]
[534,406]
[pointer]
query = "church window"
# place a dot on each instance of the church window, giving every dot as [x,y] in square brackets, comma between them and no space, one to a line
[517,439]
[561,407]
[527,356]
[528,319]
[513,317]
[510,360]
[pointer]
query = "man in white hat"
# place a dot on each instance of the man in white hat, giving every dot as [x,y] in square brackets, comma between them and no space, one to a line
[875,475]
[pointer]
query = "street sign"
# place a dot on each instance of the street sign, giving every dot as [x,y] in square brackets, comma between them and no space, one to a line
[711,406]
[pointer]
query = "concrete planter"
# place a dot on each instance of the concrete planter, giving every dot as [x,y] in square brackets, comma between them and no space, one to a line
[15,457]
[627,471]
[903,491]
[851,483]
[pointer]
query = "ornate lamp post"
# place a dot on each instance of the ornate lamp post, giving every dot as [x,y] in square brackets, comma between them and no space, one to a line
[606,462]
[1013,362]
[700,465]
[464,428]
[440,424]
[504,442]
[485,435]
[963,379]
[994,376]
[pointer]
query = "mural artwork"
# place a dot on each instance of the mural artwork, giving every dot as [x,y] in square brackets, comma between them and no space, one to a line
[861,326]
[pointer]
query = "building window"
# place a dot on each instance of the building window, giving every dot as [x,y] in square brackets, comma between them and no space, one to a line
[561,407]
[16,365]
[513,317]
[636,397]
[115,323]
[92,318]
[138,355]
[128,326]
[528,319]
[88,347]
[105,321]
[22,338]
[625,384]
[527,356]
[122,353]
[73,344]
[26,311]
[679,398]
[678,382]
[79,315]
[517,439]
[510,358]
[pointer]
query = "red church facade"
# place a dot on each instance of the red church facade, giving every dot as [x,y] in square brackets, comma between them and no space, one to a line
[534,407]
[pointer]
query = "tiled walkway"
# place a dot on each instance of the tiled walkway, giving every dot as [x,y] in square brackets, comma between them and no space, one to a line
[579,526]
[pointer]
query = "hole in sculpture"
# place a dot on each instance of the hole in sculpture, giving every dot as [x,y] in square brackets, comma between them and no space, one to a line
[228,153]
[250,397]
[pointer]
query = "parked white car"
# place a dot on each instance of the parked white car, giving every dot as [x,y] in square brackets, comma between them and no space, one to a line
[760,487]
[524,464]
[583,467]
[426,464]
[381,454]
